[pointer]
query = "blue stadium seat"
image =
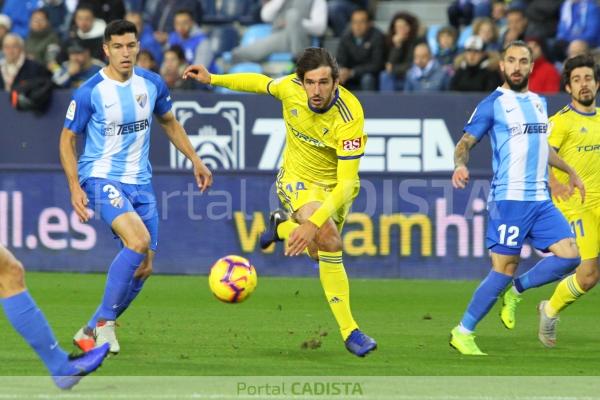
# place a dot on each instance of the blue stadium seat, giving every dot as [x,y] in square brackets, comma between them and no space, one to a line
[255,32]
[466,33]
[223,38]
[432,32]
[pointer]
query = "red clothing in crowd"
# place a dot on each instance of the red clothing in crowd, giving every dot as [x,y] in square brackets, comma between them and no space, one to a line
[544,78]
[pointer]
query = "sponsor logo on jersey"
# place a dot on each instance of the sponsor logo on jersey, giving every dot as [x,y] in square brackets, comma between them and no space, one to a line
[114,129]
[351,144]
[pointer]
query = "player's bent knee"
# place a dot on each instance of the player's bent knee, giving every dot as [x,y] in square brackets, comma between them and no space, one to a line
[13,273]
[140,243]
[330,243]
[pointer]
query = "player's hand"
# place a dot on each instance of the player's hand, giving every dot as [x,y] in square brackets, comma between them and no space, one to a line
[576,182]
[197,72]
[79,201]
[460,177]
[559,191]
[300,238]
[204,178]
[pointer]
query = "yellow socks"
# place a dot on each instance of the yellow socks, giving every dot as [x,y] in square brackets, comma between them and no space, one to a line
[284,229]
[337,290]
[567,291]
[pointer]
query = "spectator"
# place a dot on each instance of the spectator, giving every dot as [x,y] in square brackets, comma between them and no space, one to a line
[191,39]
[577,48]
[361,53]
[172,70]
[20,12]
[516,25]
[447,50]
[462,12]
[579,20]
[146,60]
[340,11]
[58,15]
[543,18]
[499,13]
[146,36]
[294,21]
[42,44]
[89,31]
[544,78]
[78,68]
[426,74]
[106,10]
[400,41]
[5,25]
[15,67]
[473,73]
[161,15]
[485,28]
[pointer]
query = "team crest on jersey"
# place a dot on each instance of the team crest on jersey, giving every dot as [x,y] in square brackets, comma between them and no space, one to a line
[539,107]
[294,112]
[71,110]
[351,144]
[141,99]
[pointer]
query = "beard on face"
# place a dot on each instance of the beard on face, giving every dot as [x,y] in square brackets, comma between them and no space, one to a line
[588,101]
[517,87]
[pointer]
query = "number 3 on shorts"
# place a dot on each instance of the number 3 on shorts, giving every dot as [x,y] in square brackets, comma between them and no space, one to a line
[513,234]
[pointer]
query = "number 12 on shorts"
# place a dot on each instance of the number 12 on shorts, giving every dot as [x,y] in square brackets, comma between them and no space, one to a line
[513,234]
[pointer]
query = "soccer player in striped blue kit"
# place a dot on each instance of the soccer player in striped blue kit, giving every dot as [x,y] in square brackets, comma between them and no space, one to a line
[519,205]
[113,111]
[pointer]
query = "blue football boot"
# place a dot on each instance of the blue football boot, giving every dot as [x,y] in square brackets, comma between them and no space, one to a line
[360,344]
[270,236]
[79,366]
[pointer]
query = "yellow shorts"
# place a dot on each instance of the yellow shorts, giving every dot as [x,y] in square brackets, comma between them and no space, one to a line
[585,224]
[294,192]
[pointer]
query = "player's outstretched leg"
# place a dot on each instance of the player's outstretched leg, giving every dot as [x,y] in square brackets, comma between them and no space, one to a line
[279,228]
[29,321]
[79,366]
[462,337]
[549,269]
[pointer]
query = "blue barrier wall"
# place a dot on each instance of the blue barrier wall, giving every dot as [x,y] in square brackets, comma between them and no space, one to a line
[406,222]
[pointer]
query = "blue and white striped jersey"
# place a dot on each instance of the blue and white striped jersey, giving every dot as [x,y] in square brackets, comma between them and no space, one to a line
[518,127]
[115,119]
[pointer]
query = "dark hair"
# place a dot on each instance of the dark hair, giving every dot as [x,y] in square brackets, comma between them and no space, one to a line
[41,11]
[185,11]
[413,23]
[119,27]
[363,10]
[517,43]
[178,50]
[86,7]
[449,30]
[313,58]
[583,60]
[517,10]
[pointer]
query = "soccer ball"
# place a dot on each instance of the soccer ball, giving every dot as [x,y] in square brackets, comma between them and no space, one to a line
[232,279]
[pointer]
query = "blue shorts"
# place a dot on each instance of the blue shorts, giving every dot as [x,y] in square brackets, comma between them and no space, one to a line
[510,222]
[109,199]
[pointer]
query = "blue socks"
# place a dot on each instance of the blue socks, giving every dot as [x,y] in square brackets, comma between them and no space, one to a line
[27,319]
[135,287]
[119,277]
[484,298]
[549,269]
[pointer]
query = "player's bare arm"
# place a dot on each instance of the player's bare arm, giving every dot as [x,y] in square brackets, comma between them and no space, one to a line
[179,138]
[559,191]
[460,177]
[575,181]
[68,159]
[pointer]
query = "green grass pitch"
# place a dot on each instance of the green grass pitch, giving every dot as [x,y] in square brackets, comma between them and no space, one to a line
[176,327]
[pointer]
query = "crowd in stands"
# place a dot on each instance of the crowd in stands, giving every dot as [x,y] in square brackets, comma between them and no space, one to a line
[61,40]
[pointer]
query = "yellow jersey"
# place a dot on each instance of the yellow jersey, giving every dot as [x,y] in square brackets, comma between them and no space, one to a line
[576,135]
[323,146]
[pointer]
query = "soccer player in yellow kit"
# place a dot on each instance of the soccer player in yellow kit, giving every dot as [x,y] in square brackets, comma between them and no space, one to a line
[318,181]
[575,133]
